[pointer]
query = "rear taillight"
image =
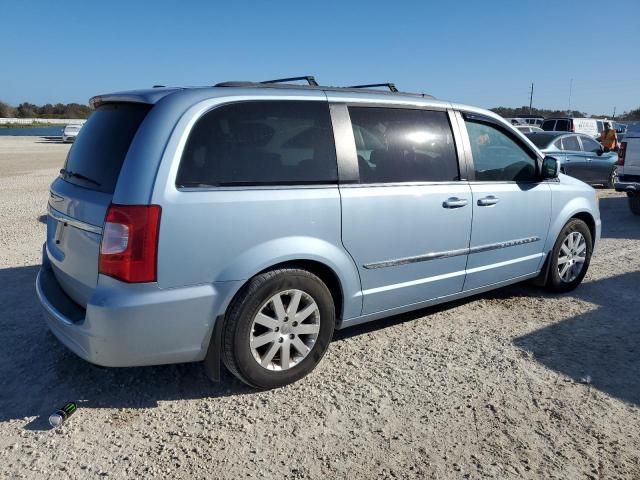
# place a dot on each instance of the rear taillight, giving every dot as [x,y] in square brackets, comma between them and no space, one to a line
[130,242]
[622,152]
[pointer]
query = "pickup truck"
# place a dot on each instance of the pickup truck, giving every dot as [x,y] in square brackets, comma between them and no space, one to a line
[628,173]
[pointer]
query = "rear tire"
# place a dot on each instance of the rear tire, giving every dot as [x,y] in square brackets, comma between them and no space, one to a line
[570,257]
[278,328]
[634,203]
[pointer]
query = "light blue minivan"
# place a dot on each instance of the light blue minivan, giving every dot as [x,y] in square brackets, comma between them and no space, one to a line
[241,224]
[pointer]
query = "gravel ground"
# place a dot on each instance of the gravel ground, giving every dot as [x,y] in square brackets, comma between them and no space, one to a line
[511,384]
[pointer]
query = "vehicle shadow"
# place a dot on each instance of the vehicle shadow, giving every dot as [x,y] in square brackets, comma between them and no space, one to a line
[618,221]
[600,347]
[38,374]
[50,139]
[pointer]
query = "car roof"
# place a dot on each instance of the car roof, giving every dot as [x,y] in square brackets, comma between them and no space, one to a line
[158,92]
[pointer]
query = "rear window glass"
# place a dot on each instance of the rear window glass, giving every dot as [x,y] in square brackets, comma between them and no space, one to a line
[571,144]
[541,140]
[261,143]
[99,150]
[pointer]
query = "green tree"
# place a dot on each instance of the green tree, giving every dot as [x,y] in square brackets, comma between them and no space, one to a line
[6,111]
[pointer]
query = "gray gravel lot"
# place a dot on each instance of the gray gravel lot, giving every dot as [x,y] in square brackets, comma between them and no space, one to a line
[511,384]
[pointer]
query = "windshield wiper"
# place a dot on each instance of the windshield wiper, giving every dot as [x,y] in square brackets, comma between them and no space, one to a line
[69,173]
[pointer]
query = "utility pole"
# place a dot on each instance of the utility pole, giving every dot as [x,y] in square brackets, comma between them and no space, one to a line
[570,88]
[531,99]
[614,114]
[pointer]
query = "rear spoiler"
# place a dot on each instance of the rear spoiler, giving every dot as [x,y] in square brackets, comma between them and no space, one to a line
[149,96]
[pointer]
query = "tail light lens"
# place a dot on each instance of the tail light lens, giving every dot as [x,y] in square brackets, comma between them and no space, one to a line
[129,247]
[622,152]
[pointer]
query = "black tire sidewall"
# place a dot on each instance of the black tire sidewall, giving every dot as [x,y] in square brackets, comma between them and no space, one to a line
[555,283]
[248,369]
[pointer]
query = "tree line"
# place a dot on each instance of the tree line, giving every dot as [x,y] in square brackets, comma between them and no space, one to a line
[546,113]
[59,110]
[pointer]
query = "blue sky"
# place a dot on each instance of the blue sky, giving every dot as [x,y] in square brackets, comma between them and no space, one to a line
[484,53]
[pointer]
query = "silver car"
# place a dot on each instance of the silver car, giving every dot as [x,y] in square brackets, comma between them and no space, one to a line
[70,132]
[241,224]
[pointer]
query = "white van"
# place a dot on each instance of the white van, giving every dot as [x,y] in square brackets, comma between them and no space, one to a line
[588,126]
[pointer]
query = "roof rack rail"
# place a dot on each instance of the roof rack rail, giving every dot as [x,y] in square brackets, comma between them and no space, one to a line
[159,86]
[391,86]
[309,78]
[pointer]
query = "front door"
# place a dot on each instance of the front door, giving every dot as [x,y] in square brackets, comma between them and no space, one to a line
[407,220]
[511,207]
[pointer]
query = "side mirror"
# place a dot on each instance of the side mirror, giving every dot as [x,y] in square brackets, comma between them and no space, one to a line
[602,150]
[550,168]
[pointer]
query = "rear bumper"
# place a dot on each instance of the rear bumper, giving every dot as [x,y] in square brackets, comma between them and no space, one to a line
[133,325]
[621,186]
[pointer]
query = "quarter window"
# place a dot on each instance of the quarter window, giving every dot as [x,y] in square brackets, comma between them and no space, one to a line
[497,157]
[260,143]
[403,145]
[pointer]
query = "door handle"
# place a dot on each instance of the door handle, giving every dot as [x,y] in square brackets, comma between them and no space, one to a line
[488,201]
[454,202]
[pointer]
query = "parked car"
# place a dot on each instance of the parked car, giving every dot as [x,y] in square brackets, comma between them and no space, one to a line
[628,175]
[580,156]
[245,222]
[70,132]
[528,128]
[530,121]
[588,126]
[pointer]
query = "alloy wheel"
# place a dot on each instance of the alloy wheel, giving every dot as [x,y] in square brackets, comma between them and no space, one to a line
[571,258]
[285,330]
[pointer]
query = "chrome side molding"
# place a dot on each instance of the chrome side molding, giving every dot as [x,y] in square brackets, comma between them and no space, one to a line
[450,253]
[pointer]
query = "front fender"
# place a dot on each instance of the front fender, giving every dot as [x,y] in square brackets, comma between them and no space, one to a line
[287,249]
[566,204]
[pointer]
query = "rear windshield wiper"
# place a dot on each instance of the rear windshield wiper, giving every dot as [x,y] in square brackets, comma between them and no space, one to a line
[69,173]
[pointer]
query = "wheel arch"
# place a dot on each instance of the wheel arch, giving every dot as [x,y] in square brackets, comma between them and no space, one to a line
[587,218]
[580,207]
[329,262]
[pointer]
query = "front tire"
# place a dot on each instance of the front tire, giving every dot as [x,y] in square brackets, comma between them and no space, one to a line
[570,257]
[612,179]
[634,203]
[278,328]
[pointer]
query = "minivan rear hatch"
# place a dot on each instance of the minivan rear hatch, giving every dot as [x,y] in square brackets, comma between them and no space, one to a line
[81,195]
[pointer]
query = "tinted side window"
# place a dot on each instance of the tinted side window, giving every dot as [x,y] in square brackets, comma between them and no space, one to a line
[589,145]
[260,143]
[562,126]
[571,143]
[497,157]
[397,145]
[548,125]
